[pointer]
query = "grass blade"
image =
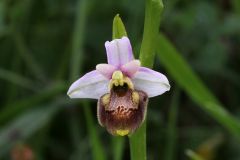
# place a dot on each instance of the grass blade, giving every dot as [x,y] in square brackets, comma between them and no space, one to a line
[172,129]
[17,79]
[27,56]
[181,72]
[78,38]
[97,148]
[15,108]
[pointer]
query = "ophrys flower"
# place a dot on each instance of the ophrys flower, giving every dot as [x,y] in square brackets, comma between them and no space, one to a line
[122,88]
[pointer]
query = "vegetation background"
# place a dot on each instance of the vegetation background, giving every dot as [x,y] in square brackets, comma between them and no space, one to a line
[40,42]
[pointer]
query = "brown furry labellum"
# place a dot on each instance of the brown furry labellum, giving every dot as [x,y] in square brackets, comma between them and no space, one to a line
[122,110]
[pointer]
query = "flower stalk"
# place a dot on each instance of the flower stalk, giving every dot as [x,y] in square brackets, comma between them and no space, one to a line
[153,11]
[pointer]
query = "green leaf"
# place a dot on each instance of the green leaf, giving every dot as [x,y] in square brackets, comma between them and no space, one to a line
[118,29]
[182,74]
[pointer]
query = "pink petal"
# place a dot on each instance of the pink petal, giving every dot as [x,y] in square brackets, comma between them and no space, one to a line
[150,81]
[131,68]
[106,70]
[119,51]
[91,85]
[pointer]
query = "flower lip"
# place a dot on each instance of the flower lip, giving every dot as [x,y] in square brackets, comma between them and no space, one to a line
[122,115]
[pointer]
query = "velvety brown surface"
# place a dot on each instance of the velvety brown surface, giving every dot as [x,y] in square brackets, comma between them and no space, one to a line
[122,113]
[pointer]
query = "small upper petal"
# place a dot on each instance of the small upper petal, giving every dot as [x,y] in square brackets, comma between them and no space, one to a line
[119,51]
[150,81]
[91,85]
[106,70]
[130,68]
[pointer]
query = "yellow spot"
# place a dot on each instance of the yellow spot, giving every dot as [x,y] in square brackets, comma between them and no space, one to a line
[128,82]
[118,79]
[135,98]
[122,132]
[117,75]
[106,99]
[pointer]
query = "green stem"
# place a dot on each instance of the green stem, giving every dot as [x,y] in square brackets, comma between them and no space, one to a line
[138,146]
[153,13]
[118,146]
[147,53]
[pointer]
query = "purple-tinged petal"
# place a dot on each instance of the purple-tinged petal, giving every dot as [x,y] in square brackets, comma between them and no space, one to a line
[126,50]
[119,51]
[150,81]
[106,70]
[130,68]
[91,85]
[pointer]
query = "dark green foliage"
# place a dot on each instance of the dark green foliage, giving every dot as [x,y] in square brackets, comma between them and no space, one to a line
[39,43]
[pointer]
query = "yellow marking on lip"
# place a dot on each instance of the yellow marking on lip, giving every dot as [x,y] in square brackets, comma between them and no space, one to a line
[122,132]
[118,75]
[118,79]
[106,99]
[135,97]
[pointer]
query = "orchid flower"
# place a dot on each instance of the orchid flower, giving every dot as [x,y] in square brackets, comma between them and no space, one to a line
[122,88]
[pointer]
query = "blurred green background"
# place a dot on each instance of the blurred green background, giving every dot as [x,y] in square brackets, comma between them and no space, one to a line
[40,42]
